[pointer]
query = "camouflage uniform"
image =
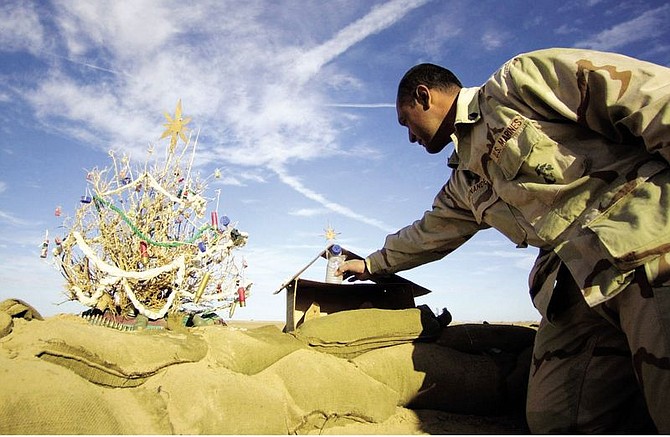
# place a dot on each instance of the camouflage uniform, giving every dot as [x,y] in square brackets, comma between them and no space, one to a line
[567,150]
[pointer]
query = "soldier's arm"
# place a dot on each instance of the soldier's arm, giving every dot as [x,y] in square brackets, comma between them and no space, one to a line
[440,231]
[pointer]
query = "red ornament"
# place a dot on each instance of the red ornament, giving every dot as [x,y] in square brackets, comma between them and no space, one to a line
[241,296]
[215,220]
[144,254]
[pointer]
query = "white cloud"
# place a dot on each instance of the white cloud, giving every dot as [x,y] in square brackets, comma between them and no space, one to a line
[124,28]
[298,186]
[645,27]
[231,180]
[13,220]
[3,187]
[21,28]
[85,111]
[378,19]
[444,27]
[492,40]
[565,29]
[242,79]
[308,212]
[239,179]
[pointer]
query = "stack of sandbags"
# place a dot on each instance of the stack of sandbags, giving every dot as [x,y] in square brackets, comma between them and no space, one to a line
[63,375]
[472,368]
[348,334]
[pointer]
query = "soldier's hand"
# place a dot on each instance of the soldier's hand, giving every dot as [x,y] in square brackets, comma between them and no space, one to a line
[354,269]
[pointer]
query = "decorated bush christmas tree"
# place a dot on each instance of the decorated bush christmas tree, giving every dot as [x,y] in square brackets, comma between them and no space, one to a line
[142,241]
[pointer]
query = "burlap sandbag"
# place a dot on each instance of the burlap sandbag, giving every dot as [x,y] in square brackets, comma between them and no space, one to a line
[302,391]
[201,398]
[15,309]
[326,391]
[19,309]
[248,351]
[102,355]
[483,337]
[41,398]
[427,375]
[348,334]
[6,324]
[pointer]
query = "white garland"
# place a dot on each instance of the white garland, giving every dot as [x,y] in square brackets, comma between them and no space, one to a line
[116,274]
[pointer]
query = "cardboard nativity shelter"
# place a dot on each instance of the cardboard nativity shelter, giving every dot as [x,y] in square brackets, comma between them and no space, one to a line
[307,299]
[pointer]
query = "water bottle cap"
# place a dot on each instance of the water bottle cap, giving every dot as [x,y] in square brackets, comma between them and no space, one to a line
[335,249]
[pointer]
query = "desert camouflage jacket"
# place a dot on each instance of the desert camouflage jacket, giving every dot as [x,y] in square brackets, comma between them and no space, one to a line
[564,149]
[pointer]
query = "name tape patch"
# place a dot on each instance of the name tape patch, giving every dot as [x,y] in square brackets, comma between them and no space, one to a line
[507,133]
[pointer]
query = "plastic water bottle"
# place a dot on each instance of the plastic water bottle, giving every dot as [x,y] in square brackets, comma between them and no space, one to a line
[335,258]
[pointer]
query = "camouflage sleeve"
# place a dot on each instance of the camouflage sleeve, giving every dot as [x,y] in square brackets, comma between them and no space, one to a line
[440,231]
[625,99]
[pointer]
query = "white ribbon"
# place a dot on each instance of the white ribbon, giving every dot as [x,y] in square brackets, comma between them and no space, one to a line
[116,274]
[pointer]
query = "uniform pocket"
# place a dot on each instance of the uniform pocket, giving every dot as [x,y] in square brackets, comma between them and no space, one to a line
[635,226]
[481,197]
[525,153]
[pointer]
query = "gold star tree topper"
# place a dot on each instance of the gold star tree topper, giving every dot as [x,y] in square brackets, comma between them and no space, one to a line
[175,127]
[330,233]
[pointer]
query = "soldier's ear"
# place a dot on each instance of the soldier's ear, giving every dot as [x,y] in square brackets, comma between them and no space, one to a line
[422,96]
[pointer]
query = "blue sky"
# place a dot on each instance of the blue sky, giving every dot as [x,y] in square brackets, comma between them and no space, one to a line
[294,101]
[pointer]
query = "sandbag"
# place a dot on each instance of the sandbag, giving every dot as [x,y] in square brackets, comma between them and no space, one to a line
[326,390]
[122,359]
[427,375]
[40,398]
[6,324]
[199,398]
[248,351]
[516,383]
[348,334]
[301,392]
[15,309]
[476,338]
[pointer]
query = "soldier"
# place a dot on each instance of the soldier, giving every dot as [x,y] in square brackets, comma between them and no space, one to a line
[566,150]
